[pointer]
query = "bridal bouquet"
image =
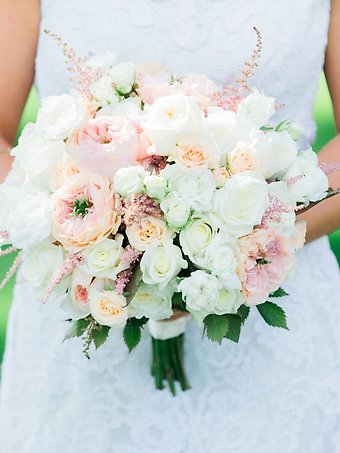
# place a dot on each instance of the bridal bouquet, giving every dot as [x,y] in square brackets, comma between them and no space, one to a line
[143,196]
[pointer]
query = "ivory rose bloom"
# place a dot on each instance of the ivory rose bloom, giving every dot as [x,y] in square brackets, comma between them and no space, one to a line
[108,308]
[155,186]
[242,158]
[195,153]
[161,263]
[176,210]
[240,204]
[150,231]
[129,180]
[220,175]
[256,109]
[86,210]
[151,303]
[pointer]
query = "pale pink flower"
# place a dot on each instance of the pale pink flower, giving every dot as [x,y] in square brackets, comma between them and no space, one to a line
[153,81]
[60,174]
[199,87]
[86,210]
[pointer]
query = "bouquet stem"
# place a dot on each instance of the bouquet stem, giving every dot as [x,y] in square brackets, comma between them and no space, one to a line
[168,363]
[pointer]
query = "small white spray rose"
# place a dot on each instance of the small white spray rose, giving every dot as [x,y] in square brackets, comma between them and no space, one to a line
[176,210]
[152,303]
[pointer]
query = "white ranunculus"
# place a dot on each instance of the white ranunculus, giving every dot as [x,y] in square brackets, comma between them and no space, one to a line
[123,75]
[222,259]
[36,156]
[201,292]
[280,191]
[256,109]
[240,204]
[168,119]
[108,308]
[155,186]
[152,303]
[176,210]
[277,151]
[59,116]
[30,222]
[129,180]
[40,262]
[103,92]
[195,187]
[9,196]
[103,259]
[229,301]
[161,263]
[196,237]
[103,61]
[313,184]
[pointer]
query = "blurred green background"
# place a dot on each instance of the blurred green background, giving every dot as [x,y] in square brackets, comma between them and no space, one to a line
[326,130]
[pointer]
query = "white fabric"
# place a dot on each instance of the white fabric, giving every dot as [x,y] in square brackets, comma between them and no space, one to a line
[277,391]
[165,330]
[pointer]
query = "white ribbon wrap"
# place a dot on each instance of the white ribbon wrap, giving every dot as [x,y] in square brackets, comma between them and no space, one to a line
[164,330]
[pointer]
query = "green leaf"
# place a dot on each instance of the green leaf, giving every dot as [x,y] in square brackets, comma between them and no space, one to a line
[132,286]
[100,335]
[216,327]
[135,322]
[77,328]
[178,302]
[273,315]
[132,335]
[234,330]
[279,293]
[243,311]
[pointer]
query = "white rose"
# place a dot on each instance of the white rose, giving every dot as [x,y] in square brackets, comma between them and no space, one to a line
[229,301]
[313,184]
[58,116]
[195,152]
[168,119]
[40,263]
[103,92]
[9,196]
[195,187]
[103,61]
[240,204]
[295,130]
[149,232]
[103,259]
[280,191]
[130,108]
[196,237]
[36,157]
[155,186]
[222,259]
[30,222]
[129,180]
[161,263]
[256,109]
[108,308]
[176,210]
[152,303]
[200,292]
[123,75]
[278,149]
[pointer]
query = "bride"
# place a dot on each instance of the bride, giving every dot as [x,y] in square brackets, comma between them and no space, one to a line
[276,391]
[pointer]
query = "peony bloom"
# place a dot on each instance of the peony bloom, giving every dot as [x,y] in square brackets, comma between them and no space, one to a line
[86,210]
[104,144]
[267,259]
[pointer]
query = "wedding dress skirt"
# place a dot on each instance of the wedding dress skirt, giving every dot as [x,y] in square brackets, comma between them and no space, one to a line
[277,391]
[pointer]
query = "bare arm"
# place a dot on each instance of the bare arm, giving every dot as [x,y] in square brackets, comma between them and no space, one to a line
[19,29]
[325,218]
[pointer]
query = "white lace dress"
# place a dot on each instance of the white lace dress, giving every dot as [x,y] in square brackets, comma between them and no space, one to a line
[276,391]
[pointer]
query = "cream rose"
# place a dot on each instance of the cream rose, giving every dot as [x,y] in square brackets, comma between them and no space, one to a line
[256,109]
[150,231]
[220,175]
[195,153]
[242,158]
[176,210]
[152,303]
[129,180]
[155,186]
[240,204]
[161,263]
[108,308]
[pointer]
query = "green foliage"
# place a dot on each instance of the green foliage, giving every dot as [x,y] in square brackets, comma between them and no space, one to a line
[132,335]
[99,335]
[279,293]
[273,315]
[243,312]
[178,302]
[132,286]
[234,329]
[216,327]
[78,328]
[81,207]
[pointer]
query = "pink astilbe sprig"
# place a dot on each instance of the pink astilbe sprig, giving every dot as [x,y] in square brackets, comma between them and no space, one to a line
[155,163]
[72,260]
[16,263]
[4,234]
[130,256]
[230,96]
[274,212]
[139,206]
[8,251]
[84,74]
[329,168]
[122,280]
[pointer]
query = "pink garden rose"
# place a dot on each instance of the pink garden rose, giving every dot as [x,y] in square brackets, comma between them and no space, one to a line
[86,210]
[267,260]
[104,144]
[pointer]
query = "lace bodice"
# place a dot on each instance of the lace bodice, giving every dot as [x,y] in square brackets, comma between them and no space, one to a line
[210,36]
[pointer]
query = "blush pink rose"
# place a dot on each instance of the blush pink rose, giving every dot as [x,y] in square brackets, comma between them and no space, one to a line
[104,144]
[199,87]
[86,210]
[267,260]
